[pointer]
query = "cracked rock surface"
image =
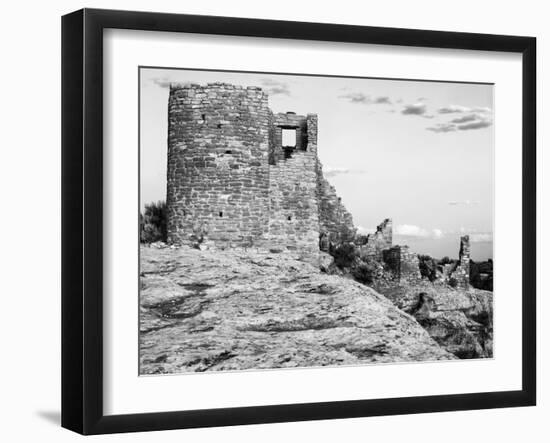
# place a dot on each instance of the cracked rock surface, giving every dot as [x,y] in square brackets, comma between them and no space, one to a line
[235,309]
[460,320]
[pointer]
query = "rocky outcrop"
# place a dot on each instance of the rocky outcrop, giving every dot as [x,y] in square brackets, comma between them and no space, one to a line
[460,320]
[235,309]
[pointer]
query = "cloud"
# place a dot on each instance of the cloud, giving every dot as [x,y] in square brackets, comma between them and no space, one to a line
[274,87]
[362,230]
[472,121]
[475,235]
[428,116]
[414,109]
[464,119]
[463,203]
[453,109]
[357,97]
[360,98]
[482,237]
[472,118]
[476,124]
[162,82]
[165,82]
[333,172]
[458,109]
[442,127]
[484,110]
[417,231]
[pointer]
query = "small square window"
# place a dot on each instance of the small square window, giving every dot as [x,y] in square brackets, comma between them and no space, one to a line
[289,138]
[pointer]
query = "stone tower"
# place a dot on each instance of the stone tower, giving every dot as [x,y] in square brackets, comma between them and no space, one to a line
[293,202]
[239,175]
[218,171]
[462,272]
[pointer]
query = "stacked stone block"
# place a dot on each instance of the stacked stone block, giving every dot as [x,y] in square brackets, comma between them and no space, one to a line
[378,242]
[218,173]
[293,205]
[461,274]
[402,263]
[336,222]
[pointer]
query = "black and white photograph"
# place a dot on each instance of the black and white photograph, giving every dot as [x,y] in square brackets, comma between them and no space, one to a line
[293,221]
[275,221]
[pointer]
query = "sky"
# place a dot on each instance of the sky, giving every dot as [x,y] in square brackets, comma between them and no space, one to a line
[420,153]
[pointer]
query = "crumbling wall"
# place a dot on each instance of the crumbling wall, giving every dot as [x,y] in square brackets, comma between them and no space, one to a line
[377,242]
[460,277]
[447,271]
[402,263]
[218,173]
[336,222]
[293,206]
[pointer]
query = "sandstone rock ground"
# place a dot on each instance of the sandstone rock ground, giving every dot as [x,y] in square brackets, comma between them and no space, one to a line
[460,320]
[231,310]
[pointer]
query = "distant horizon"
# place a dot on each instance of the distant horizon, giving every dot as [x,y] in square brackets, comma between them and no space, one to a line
[420,153]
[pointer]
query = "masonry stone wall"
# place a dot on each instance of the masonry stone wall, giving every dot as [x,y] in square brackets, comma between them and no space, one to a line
[336,222]
[218,173]
[402,263]
[461,274]
[293,205]
[377,242]
[232,183]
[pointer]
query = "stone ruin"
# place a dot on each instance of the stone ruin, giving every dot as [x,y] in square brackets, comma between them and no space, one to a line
[403,265]
[373,245]
[241,176]
[459,274]
[399,261]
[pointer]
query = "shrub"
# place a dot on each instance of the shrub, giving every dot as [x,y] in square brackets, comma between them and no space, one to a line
[152,223]
[364,272]
[445,261]
[474,271]
[344,255]
[428,267]
[481,274]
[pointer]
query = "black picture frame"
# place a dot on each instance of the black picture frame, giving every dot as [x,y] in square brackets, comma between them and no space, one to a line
[82,221]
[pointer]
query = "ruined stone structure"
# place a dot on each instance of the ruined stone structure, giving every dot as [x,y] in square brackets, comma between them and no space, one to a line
[375,244]
[457,273]
[461,274]
[402,263]
[399,261]
[241,176]
[336,222]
